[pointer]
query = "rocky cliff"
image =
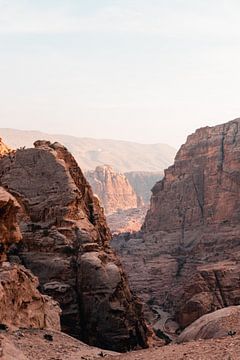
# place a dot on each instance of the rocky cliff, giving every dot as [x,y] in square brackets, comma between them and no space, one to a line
[21,304]
[65,242]
[113,189]
[188,253]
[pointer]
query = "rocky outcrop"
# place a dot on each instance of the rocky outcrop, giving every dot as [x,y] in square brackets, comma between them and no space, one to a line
[9,229]
[113,189]
[220,323]
[4,149]
[142,182]
[188,252]
[21,304]
[65,242]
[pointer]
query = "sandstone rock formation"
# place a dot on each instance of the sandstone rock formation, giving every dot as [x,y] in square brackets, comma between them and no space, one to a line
[113,189]
[142,182]
[4,149]
[186,260]
[65,242]
[220,323]
[21,304]
[9,229]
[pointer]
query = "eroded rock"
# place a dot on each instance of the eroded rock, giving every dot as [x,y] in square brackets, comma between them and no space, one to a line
[113,189]
[186,260]
[66,244]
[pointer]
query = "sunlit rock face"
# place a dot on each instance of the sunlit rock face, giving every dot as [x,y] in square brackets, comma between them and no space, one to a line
[65,242]
[4,149]
[113,189]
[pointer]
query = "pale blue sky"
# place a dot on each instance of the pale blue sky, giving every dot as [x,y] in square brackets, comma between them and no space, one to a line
[141,70]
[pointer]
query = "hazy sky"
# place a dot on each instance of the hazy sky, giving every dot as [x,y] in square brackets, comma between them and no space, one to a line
[142,70]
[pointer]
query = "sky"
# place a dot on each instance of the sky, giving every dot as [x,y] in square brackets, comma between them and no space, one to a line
[143,70]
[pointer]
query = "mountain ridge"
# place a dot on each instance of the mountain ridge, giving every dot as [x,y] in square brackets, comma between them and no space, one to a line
[124,156]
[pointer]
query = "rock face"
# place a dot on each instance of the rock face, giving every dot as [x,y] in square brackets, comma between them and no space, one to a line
[9,229]
[190,237]
[4,149]
[65,242]
[220,323]
[113,189]
[21,304]
[142,182]
[127,221]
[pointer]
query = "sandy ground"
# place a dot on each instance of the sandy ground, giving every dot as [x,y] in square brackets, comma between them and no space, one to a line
[217,349]
[31,345]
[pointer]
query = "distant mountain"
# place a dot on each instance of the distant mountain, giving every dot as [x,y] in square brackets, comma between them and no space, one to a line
[143,181]
[124,156]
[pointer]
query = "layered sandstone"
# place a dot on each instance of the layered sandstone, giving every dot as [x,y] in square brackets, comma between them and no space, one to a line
[65,242]
[186,260]
[113,189]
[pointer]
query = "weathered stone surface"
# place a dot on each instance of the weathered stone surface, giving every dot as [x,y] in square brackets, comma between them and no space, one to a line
[113,189]
[127,221]
[66,244]
[4,149]
[9,229]
[220,323]
[186,260]
[21,304]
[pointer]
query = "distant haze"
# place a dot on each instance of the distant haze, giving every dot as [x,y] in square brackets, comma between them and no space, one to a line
[123,156]
[146,71]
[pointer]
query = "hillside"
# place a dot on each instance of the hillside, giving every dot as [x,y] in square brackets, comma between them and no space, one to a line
[123,156]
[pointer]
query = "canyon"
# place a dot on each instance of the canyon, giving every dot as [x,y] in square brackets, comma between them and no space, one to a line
[182,260]
[185,260]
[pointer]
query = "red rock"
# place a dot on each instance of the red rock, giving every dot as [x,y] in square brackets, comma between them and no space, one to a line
[113,189]
[66,244]
[218,324]
[186,260]
[21,304]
